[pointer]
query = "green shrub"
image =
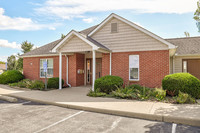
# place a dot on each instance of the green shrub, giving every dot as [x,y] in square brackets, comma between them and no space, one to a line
[145,93]
[37,85]
[184,82]
[25,83]
[184,98]
[108,83]
[159,94]
[96,93]
[11,76]
[126,93]
[135,87]
[54,83]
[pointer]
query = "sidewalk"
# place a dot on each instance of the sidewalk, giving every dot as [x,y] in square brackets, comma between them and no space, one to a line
[76,98]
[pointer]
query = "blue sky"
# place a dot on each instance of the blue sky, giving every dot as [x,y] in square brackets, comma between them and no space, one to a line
[43,21]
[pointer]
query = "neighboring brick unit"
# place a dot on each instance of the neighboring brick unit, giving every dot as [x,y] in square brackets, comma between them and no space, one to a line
[153,66]
[31,67]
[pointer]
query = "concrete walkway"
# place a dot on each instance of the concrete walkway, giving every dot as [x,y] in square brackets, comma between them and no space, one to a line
[76,98]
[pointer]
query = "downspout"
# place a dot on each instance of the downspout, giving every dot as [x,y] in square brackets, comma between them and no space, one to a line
[67,75]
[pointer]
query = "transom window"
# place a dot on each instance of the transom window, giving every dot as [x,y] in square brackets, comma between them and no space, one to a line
[49,67]
[134,67]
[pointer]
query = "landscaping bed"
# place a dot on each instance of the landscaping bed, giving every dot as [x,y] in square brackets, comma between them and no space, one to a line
[177,88]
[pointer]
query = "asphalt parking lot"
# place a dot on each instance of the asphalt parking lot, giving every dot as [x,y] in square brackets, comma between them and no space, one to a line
[31,117]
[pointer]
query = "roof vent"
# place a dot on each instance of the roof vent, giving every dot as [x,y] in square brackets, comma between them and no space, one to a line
[113,27]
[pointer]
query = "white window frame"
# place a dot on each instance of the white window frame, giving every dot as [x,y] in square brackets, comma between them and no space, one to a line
[47,68]
[138,69]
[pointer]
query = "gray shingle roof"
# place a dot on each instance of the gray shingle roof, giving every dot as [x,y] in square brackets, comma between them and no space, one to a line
[43,50]
[186,45]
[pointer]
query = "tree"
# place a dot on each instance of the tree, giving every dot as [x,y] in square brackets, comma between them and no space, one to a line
[1,62]
[63,36]
[187,34]
[26,46]
[11,63]
[197,16]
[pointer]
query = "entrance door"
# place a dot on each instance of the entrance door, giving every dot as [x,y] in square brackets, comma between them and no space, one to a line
[88,71]
[89,68]
[193,67]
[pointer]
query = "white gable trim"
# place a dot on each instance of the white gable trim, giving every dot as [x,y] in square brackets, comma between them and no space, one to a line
[79,36]
[170,46]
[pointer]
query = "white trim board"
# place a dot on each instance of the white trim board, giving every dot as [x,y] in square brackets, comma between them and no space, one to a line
[170,46]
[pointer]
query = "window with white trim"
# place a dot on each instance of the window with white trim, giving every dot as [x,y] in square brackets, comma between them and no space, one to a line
[49,67]
[133,67]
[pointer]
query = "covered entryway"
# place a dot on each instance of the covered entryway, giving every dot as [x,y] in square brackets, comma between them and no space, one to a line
[192,66]
[85,53]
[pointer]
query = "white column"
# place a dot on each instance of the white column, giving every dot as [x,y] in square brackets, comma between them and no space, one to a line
[110,63]
[60,70]
[94,68]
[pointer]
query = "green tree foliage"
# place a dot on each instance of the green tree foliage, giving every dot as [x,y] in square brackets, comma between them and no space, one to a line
[187,34]
[1,62]
[197,15]
[26,46]
[63,36]
[11,62]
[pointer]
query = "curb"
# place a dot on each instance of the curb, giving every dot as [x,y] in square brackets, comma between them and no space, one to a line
[9,99]
[153,117]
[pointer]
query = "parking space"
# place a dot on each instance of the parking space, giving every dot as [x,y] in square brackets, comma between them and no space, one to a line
[27,116]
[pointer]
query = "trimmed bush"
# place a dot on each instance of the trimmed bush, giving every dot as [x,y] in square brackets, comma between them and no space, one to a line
[11,76]
[108,83]
[54,83]
[183,82]
[25,83]
[37,85]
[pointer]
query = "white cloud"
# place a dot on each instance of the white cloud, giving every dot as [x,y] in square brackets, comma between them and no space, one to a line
[67,9]
[19,23]
[5,43]
[88,20]
[3,58]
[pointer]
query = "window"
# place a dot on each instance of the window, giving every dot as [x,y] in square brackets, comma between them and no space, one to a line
[185,66]
[133,67]
[113,27]
[49,67]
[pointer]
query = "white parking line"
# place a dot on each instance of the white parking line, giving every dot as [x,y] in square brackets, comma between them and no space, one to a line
[16,104]
[59,122]
[114,125]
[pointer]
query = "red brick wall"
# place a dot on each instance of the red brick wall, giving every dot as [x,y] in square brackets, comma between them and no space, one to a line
[33,71]
[154,65]
[76,62]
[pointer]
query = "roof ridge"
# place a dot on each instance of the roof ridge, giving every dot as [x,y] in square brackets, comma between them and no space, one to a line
[182,38]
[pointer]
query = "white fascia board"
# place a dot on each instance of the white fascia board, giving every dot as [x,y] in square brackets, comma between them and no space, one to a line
[76,34]
[170,46]
[187,55]
[45,55]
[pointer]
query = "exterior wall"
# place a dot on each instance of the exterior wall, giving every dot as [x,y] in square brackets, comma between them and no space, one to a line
[75,45]
[178,62]
[126,39]
[31,67]
[153,66]
[76,62]
[171,65]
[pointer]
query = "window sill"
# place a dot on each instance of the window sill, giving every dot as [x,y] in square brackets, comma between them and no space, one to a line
[44,77]
[136,80]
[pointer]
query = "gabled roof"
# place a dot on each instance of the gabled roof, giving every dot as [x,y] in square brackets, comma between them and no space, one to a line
[171,46]
[186,45]
[94,44]
[43,50]
[88,30]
